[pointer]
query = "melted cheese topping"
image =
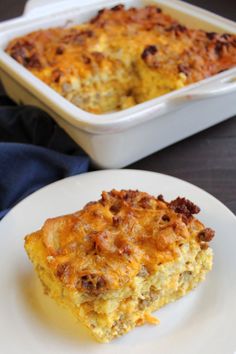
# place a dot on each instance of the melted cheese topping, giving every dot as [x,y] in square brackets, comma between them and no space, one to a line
[109,242]
[122,57]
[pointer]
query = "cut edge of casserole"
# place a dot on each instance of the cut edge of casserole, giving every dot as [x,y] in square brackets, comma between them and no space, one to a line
[119,259]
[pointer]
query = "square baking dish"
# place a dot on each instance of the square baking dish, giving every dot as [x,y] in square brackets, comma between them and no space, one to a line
[114,140]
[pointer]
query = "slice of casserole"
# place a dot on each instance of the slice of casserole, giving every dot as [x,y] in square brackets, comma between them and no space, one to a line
[120,258]
[123,57]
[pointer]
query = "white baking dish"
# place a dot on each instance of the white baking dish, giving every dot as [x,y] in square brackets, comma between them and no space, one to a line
[117,139]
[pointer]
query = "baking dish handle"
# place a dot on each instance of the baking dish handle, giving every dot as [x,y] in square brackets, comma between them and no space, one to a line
[213,89]
[36,8]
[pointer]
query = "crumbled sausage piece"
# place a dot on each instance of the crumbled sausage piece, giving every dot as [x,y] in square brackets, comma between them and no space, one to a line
[101,283]
[226,36]
[143,303]
[204,245]
[98,56]
[33,62]
[220,47]
[56,75]
[22,51]
[77,37]
[24,54]
[184,206]
[115,208]
[211,35]
[116,220]
[165,218]
[183,69]
[86,59]
[176,28]
[129,195]
[149,50]
[160,198]
[92,282]
[62,269]
[59,50]
[125,249]
[206,235]
[118,7]
[97,17]
[185,219]
[86,283]
[145,202]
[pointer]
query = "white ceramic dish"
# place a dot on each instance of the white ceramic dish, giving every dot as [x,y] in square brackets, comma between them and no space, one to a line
[30,322]
[119,138]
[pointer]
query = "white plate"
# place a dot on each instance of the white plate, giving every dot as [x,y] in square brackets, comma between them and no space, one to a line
[202,322]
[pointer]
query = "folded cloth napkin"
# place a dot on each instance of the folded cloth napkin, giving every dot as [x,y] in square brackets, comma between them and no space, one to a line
[34,151]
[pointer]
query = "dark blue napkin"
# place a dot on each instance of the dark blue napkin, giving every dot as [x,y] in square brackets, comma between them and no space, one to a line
[34,151]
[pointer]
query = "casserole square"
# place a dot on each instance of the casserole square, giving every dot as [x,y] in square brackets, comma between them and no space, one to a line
[120,258]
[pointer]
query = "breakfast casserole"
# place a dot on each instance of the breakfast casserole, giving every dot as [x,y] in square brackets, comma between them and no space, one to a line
[123,57]
[120,258]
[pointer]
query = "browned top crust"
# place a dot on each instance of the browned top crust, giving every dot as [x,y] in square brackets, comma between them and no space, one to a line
[205,54]
[126,55]
[110,241]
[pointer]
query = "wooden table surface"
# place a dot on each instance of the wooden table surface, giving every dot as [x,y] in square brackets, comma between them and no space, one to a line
[207,159]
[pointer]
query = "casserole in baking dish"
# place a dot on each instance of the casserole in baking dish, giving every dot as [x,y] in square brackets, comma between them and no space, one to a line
[122,57]
[116,139]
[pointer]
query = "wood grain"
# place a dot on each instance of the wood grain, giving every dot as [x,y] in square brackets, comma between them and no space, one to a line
[207,159]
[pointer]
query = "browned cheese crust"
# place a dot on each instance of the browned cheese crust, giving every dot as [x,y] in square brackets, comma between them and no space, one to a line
[109,242]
